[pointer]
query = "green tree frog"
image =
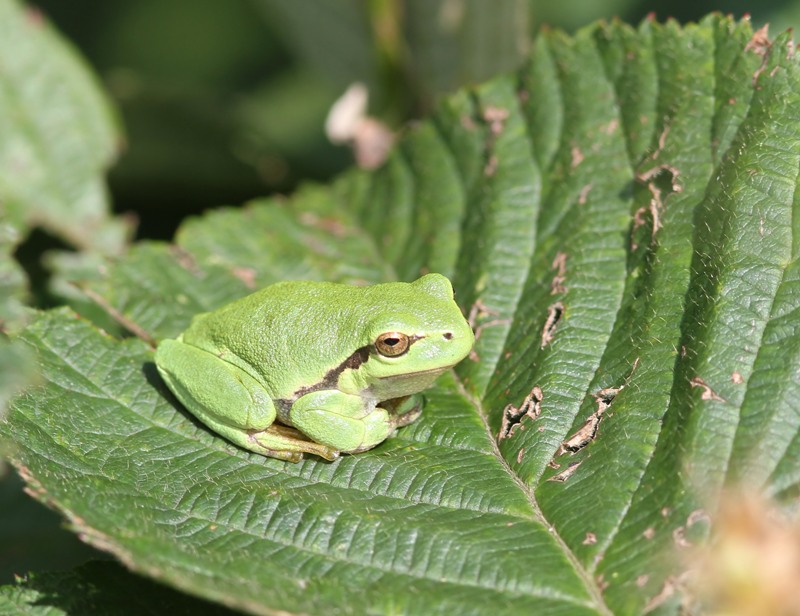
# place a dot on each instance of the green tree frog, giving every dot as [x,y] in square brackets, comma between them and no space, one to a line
[339,367]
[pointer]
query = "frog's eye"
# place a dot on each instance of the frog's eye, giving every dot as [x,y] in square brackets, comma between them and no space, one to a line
[392,344]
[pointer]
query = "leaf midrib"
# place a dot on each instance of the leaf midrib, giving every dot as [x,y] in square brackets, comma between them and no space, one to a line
[589,583]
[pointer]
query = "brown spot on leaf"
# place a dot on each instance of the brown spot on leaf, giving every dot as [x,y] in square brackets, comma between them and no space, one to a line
[531,407]
[606,396]
[560,266]
[649,532]
[247,275]
[611,127]
[737,378]
[679,537]
[480,311]
[584,194]
[588,431]
[669,588]
[576,157]
[589,539]
[186,260]
[582,437]
[639,220]
[698,515]
[759,42]
[708,393]
[568,472]
[554,314]
[496,118]
[661,181]
[328,224]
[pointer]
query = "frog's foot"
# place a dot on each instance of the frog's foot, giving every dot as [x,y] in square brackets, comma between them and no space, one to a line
[405,410]
[286,443]
[341,421]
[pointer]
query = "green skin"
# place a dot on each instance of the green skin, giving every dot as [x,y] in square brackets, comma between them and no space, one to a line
[338,364]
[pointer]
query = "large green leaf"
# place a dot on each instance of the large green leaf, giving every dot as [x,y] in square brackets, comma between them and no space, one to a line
[619,215]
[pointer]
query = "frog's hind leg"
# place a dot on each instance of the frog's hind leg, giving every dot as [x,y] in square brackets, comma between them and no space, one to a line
[231,402]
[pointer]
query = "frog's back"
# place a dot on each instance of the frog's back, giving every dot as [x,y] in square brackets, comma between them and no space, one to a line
[290,333]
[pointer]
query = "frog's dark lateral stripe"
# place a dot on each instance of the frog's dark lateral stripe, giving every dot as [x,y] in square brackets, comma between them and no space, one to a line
[355,361]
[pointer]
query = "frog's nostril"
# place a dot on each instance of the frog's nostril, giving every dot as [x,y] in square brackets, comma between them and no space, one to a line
[447,335]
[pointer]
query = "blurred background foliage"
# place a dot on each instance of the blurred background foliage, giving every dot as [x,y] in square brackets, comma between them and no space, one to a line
[221,102]
[224,101]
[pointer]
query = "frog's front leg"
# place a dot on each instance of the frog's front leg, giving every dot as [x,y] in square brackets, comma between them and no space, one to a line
[342,421]
[231,402]
[405,410]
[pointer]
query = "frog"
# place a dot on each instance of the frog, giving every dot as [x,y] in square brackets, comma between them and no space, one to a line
[320,368]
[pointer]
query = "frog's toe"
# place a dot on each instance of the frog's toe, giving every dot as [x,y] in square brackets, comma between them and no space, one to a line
[288,444]
[288,456]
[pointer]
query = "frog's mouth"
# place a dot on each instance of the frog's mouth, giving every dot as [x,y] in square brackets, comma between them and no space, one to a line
[411,375]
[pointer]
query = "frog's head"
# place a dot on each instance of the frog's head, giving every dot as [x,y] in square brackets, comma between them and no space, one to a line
[418,333]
